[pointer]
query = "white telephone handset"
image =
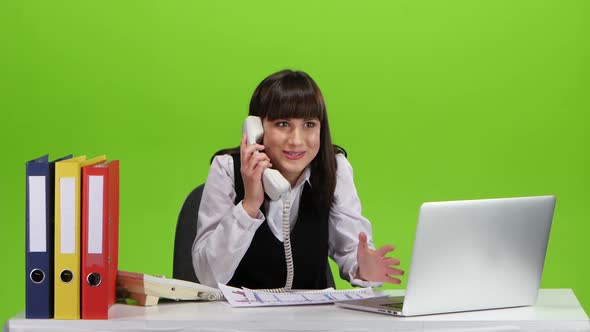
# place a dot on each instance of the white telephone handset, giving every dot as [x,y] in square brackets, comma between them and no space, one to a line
[275,185]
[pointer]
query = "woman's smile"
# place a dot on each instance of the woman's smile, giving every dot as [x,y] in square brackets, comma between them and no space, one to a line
[294,155]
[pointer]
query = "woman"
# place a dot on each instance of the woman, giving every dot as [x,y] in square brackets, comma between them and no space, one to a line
[239,237]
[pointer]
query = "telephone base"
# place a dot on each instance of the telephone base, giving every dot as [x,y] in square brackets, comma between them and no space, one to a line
[147,290]
[144,299]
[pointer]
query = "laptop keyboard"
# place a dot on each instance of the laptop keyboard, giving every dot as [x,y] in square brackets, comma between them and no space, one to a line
[392,305]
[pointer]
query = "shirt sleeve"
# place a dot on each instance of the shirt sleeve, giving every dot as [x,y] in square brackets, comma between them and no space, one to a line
[224,229]
[345,223]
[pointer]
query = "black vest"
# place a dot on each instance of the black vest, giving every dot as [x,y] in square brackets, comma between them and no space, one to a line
[263,265]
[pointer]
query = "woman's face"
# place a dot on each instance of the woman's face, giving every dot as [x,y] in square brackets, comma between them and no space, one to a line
[291,144]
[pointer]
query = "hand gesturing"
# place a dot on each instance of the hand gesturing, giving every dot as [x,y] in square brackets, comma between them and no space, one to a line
[374,265]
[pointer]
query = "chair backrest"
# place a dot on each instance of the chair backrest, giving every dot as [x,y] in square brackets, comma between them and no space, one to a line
[186,231]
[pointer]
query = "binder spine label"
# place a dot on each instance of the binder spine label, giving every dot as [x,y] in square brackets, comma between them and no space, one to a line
[95,214]
[37,214]
[68,215]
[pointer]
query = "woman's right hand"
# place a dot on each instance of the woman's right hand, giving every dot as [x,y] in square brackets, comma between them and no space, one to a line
[253,163]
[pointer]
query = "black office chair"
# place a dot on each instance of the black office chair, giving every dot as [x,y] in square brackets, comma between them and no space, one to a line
[186,231]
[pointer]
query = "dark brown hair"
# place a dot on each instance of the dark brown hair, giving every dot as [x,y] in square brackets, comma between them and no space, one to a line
[293,94]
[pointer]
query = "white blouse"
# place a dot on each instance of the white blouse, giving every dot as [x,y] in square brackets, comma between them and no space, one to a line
[225,230]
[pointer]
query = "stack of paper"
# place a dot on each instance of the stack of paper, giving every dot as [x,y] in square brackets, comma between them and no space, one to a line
[244,297]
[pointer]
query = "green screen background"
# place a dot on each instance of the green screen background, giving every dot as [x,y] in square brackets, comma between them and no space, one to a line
[434,100]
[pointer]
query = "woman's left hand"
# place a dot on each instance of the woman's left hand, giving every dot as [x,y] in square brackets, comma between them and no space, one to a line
[374,265]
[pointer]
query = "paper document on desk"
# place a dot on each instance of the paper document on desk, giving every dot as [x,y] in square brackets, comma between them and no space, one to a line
[244,297]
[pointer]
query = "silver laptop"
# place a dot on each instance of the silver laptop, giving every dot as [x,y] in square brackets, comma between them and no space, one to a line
[473,255]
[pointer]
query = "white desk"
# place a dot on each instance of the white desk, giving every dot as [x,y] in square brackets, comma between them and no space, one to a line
[556,310]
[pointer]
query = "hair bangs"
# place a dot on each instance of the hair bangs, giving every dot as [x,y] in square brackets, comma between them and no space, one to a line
[290,94]
[303,104]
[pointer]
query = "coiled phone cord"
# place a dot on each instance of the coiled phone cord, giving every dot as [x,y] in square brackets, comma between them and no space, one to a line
[287,247]
[212,296]
[287,244]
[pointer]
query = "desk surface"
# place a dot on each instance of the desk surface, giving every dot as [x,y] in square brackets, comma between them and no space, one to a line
[556,310]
